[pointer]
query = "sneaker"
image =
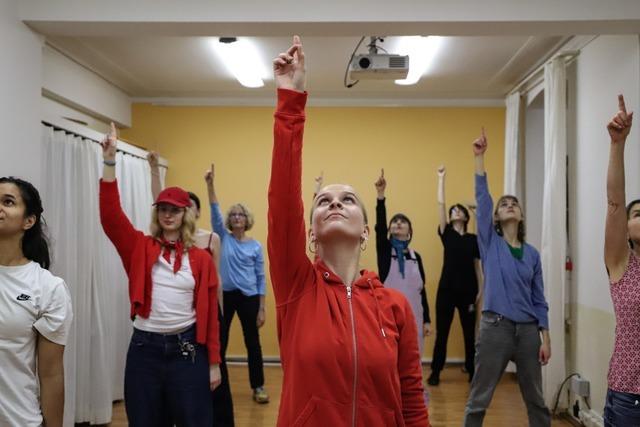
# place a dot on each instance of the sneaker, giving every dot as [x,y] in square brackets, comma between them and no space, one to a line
[260,395]
[434,378]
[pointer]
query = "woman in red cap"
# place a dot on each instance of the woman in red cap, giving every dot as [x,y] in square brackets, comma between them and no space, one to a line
[174,355]
[348,346]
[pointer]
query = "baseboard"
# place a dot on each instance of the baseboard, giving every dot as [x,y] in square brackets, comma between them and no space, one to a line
[274,360]
[568,418]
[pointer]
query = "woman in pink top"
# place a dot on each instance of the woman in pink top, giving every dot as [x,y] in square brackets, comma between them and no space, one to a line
[622,258]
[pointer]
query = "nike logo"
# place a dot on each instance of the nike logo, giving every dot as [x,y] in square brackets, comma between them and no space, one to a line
[23,297]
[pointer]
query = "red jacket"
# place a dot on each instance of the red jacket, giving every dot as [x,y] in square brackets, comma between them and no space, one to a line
[348,359]
[139,253]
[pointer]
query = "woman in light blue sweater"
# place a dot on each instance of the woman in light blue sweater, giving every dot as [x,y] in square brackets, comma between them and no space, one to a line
[243,282]
[514,315]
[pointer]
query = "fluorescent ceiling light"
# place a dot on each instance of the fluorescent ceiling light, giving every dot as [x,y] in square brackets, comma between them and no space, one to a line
[243,60]
[421,51]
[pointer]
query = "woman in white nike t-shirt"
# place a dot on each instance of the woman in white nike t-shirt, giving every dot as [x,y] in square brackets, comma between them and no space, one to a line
[35,313]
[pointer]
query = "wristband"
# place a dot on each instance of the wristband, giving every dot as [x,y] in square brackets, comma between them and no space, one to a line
[109,162]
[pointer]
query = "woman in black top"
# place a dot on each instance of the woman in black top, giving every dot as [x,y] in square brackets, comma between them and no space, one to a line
[405,273]
[459,281]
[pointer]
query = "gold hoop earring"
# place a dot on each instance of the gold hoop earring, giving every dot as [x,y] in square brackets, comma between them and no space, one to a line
[363,241]
[313,249]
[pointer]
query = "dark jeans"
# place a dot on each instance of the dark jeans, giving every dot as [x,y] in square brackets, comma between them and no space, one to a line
[247,309]
[163,387]
[221,396]
[621,409]
[501,340]
[446,303]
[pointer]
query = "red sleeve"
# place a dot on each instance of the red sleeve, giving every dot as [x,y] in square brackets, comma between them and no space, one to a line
[414,410]
[213,327]
[290,267]
[115,223]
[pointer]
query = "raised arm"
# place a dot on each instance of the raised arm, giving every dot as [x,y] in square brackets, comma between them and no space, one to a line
[318,184]
[209,178]
[217,221]
[483,198]
[114,221]
[154,166]
[289,266]
[382,242]
[442,207]
[616,250]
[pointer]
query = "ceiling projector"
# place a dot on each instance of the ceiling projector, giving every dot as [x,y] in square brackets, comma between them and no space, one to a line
[379,66]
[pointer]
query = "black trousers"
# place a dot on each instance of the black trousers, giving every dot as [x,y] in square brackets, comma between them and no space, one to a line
[221,396]
[247,309]
[446,303]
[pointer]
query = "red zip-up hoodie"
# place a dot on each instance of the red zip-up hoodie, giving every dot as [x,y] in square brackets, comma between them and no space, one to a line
[140,252]
[349,354]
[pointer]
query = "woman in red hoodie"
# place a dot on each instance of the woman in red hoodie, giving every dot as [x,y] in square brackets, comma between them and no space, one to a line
[348,346]
[174,355]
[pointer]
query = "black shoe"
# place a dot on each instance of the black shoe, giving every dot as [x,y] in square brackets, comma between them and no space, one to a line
[434,378]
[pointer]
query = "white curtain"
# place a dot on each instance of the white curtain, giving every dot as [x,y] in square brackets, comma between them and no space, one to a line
[554,209]
[513,146]
[86,259]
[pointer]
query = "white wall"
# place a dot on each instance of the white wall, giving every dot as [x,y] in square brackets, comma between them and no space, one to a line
[20,81]
[72,84]
[607,66]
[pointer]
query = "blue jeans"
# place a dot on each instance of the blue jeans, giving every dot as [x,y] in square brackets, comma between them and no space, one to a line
[166,381]
[621,409]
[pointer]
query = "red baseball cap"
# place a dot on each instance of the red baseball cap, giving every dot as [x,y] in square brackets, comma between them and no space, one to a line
[175,196]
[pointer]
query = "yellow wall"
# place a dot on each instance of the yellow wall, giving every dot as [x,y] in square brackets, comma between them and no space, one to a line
[350,145]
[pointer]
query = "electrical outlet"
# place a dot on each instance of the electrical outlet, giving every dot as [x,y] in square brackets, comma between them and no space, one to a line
[580,386]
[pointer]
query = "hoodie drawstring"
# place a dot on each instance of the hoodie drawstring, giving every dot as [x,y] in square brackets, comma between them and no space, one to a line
[375,298]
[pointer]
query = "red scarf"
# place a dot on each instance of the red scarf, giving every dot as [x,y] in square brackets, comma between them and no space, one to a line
[167,247]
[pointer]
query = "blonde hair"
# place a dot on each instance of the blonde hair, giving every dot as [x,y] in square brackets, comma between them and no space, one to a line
[187,229]
[247,214]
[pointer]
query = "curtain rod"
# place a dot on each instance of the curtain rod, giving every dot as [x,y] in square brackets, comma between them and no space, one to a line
[571,51]
[95,136]
[538,74]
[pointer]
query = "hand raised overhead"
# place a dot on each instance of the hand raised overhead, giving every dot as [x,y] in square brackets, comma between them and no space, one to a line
[620,125]
[209,175]
[109,144]
[480,144]
[319,180]
[381,183]
[442,171]
[153,159]
[288,68]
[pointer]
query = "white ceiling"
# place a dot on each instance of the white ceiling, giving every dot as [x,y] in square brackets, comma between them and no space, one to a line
[158,50]
[177,68]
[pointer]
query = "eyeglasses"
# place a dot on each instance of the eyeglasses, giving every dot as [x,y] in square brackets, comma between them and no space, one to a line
[168,210]
[238,214]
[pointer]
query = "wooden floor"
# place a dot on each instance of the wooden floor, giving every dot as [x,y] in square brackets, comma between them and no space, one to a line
[446,403]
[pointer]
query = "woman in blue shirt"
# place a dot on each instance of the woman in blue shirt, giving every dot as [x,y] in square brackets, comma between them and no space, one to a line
[243,282]
[514,315]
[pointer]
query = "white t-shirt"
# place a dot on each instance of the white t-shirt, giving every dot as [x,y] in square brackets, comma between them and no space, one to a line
[32,301]
[172,307]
